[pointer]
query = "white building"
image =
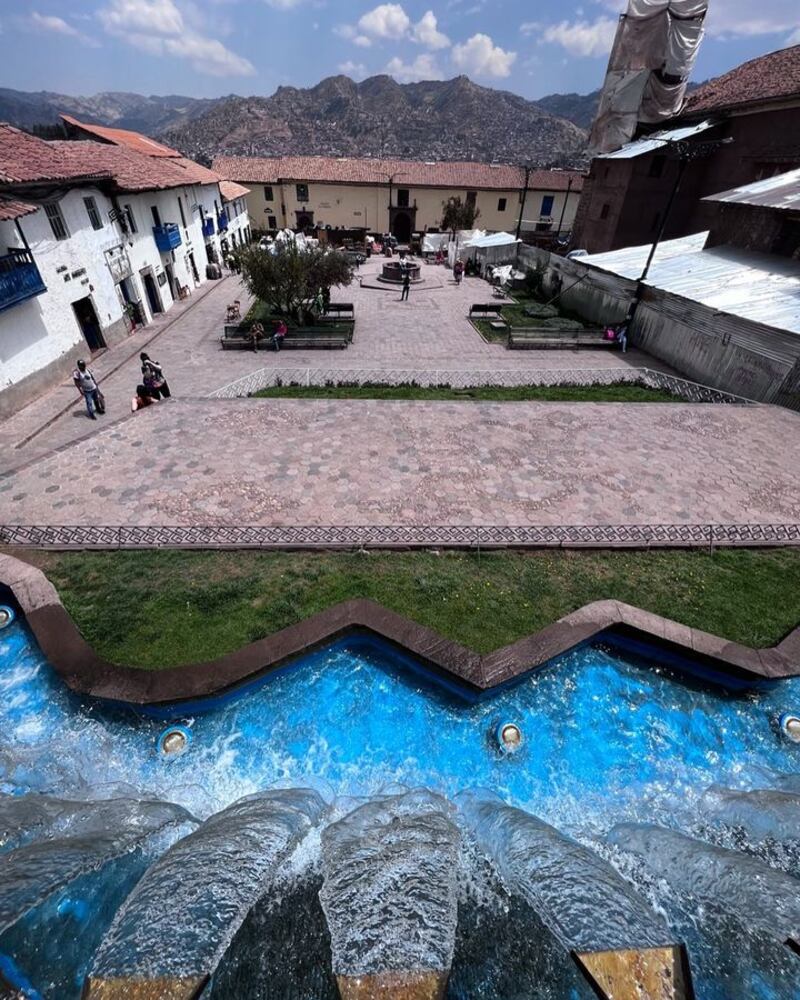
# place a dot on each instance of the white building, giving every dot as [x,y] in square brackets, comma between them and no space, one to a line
[237,219]
[94,239]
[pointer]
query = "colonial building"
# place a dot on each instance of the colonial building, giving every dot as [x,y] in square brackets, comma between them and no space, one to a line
[755,108]
[95,238]
[398,196]
[237,218]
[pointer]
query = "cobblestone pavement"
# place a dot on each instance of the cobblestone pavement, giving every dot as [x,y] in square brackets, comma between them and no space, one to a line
[431,331]
[348,462]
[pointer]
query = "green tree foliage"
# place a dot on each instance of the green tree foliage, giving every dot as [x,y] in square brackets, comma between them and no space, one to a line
[291,279]
[458,214]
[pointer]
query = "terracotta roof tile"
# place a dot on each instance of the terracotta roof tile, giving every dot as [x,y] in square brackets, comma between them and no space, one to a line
[26,159]
[768,78]
[321,169]
[11,208]
[132,171]
[231,190]
[123,137]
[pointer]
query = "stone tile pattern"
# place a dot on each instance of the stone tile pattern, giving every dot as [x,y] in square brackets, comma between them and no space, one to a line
[350,463]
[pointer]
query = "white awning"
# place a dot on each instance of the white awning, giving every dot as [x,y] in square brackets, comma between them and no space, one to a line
[493,240]
[656,141]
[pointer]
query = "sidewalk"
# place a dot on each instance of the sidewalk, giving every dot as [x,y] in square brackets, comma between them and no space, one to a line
[21,430]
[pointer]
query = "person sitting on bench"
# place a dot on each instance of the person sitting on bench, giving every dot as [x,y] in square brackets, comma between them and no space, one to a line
[256,334]
[280,332]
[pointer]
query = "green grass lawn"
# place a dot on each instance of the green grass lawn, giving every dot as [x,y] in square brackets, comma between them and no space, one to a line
[157,609]
[621,392]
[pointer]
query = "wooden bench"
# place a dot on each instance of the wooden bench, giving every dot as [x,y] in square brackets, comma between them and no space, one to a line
[340,310]
[486,309]
[522,338]
[302,338]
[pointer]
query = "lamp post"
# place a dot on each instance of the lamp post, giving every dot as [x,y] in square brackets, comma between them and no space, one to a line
[527,168]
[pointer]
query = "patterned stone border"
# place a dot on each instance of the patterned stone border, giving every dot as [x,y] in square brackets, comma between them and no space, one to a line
[80,667]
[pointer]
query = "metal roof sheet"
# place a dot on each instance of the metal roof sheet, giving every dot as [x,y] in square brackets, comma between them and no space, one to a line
[780,192]
[754,286]
[656,141]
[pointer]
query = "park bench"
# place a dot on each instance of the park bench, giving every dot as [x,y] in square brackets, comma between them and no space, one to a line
[302,338]
[340,310]
[486,309]
[521,338]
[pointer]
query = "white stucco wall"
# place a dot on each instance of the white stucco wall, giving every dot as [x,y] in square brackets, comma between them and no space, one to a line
[41,330]
[238,222]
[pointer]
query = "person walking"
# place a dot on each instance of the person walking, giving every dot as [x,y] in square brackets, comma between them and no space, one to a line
[86,384]
[406,285]
[458,271]
[153,376]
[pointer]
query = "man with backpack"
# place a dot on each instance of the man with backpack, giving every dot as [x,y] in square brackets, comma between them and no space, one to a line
[86,384]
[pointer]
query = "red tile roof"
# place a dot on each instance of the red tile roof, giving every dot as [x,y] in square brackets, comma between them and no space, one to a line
[769,78]
[333,170]
[231,190]
[26,159]
[123,137]
[131,171]
[11,208]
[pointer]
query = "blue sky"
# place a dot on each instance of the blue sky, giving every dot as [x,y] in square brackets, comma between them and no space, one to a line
[205,48]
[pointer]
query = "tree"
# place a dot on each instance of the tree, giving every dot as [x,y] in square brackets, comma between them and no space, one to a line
[291,278]
[458,214]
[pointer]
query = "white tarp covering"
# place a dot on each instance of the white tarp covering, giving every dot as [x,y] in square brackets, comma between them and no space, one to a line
[650,64]
[493,240]
[656,141]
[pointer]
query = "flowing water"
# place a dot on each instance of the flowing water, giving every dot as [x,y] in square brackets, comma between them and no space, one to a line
[610,741]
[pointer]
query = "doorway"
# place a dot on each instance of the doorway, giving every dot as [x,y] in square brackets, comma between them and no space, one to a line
[171,280]
[193,267]
[401,227]
[89,324]
[151,291]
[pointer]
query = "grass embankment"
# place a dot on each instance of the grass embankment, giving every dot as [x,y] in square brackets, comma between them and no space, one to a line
[162,609]
[620,392]
[549,317]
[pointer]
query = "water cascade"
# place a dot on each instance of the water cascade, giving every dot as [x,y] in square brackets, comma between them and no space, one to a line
[766,815]
[619,941]
[390,896]
[765,899]
[174,927]
[33,871]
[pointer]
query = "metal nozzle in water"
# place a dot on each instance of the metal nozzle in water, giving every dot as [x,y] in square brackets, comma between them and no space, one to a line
[174,741]
[509,737]
[790,726]
[7,616]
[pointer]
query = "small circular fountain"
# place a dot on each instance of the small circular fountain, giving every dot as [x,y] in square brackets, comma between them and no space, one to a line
[509,737]
[7,616]
[174,741]
[394,270]
[790,726]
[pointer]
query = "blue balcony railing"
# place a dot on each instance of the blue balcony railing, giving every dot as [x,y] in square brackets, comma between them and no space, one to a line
[167,237]
[208,226]
[222,221]
[19,278]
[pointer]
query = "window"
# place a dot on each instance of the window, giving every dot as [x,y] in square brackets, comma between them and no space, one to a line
[501,204]
[657,165]
[130,218]
[180,209]
[547,204]
[605,210]
[402,197]
[272,221]
[302,192]
[156,216]
[472,197]
[56,220]
[268,195]
[94,215]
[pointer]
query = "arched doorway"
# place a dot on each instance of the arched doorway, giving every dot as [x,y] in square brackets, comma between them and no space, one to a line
[401,227]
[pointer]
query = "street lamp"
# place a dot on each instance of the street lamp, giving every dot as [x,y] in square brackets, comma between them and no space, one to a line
[527,168]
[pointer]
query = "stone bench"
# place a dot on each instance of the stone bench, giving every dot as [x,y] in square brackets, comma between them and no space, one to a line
[533,338]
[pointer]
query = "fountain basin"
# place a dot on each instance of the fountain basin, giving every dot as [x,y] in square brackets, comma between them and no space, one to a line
[394,271]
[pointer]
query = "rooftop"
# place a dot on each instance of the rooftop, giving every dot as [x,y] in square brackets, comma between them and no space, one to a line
[341,170]
[25,159]
[230,190]
[122,137]
[11,208]
[781,192]
[132,171]
[754,286]
[772,77]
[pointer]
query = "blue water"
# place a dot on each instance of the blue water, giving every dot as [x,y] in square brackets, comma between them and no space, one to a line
[608,737]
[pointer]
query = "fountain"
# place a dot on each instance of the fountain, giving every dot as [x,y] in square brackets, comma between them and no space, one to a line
[393,271]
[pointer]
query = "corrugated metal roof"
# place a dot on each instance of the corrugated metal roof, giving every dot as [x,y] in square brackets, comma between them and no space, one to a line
[755,286]
[657,140]
[781,192]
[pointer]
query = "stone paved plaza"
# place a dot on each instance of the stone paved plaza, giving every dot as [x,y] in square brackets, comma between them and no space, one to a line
[343,462]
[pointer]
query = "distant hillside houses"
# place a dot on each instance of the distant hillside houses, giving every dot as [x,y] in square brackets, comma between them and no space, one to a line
[401,197]
[98,236]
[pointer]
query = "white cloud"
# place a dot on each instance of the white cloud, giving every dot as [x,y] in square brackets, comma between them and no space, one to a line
[352,35]
[357,70]
[283,4]
[387,20]
[424,67]
[48,22]
[582,38]
[479,56]
[426,32]
[159,28]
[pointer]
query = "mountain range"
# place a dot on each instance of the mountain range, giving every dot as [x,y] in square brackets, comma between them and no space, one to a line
[451,119]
